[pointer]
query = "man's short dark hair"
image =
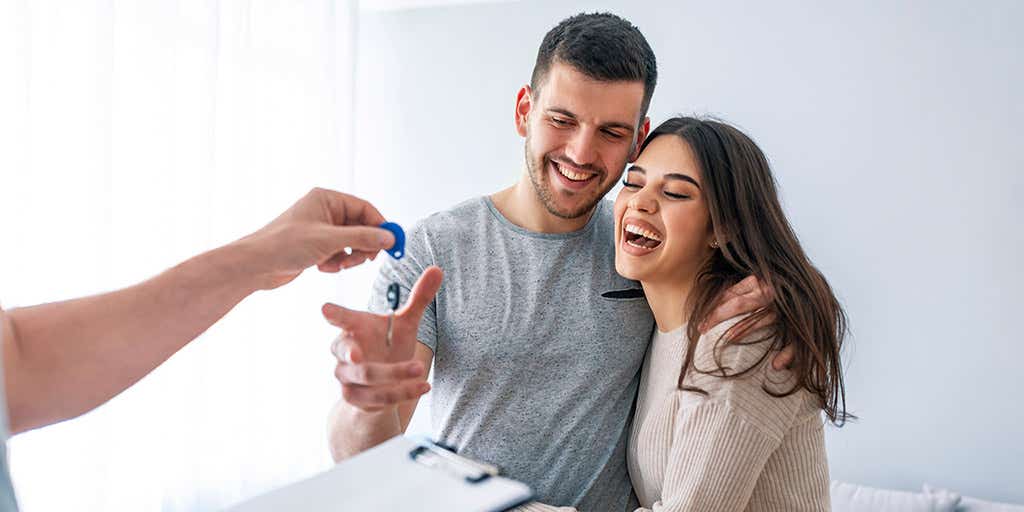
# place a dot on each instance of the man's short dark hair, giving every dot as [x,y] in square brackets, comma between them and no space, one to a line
[602,46]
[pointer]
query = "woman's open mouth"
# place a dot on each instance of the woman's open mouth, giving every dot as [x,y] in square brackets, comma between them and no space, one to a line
[639,237]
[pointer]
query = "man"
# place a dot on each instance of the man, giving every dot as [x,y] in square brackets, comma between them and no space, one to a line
[536,357]
[63,359]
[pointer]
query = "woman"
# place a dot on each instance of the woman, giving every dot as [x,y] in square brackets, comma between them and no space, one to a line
[716,427]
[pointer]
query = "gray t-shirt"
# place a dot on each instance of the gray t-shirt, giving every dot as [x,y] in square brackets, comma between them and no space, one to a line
[534,369]
[8,503]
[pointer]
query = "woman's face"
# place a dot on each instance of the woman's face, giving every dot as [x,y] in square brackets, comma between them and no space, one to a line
[663,231]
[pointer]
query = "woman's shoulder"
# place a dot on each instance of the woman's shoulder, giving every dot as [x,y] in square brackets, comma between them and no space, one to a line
[738,374]
[720,355]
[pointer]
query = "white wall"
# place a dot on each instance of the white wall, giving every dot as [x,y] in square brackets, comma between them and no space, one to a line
[892,130]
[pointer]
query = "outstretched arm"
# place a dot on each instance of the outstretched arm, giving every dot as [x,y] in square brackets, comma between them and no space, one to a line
[64,359]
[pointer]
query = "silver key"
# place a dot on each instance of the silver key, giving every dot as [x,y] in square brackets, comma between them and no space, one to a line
[391,322]
[394,294]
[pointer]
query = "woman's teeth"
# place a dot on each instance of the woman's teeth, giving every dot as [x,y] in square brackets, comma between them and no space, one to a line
[637,230]
[574,176]
[641,237]
[636,244]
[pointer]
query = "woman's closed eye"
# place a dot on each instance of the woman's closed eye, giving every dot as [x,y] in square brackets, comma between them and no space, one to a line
[671,195]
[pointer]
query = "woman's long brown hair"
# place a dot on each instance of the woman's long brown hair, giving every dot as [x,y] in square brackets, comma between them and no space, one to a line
[755,238]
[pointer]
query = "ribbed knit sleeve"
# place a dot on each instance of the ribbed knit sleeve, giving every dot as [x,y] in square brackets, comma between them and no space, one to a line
[716,459]
[715,451]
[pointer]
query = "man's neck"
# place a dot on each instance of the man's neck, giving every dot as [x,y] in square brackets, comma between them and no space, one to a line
[521,206]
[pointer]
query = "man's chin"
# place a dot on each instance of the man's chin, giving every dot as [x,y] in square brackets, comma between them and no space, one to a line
[570,211]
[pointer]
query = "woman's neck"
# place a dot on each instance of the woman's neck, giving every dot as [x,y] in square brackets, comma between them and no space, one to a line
[668,302]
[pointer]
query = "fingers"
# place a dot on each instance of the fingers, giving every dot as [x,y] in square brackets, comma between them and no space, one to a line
[358,238]
[372,386]
[785,358]
[747,285]
[346,353]
[355,322]
[378,374]
[349,210]
[744,297]
[423,292]
[342,261]
[731,308]
[740,330]
[375,398]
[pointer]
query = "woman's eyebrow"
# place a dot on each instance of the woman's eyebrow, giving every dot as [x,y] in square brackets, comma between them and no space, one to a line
[670,176]
[682,177]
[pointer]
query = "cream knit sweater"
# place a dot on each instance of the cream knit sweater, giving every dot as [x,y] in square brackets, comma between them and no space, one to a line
[736,448]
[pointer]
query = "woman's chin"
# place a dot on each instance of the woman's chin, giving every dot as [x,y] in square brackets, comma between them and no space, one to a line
[628,269]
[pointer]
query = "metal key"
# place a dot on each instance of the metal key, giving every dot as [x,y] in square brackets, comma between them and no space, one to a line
[394,295]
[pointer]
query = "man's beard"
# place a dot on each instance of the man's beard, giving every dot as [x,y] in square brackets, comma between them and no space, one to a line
[537,168]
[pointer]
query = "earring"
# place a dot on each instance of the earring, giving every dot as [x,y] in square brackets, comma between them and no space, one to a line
[714,244]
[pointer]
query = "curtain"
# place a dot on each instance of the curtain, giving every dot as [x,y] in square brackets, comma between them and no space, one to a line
[134,134]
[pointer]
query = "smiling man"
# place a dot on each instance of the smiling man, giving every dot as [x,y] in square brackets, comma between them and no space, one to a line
[534,370]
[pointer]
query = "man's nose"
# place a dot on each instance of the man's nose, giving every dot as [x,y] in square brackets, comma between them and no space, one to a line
[582,148]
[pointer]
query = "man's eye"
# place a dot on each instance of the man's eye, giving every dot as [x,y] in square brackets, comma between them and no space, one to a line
[613,135]
[630,185]
[559,122]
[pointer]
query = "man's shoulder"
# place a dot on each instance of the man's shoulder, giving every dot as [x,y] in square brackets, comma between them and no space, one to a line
[604,223]
[605,211]
[455,221]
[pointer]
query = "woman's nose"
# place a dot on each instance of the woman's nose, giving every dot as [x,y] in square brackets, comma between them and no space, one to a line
[643,202]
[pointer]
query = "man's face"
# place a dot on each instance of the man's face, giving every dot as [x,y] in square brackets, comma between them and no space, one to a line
[579,135]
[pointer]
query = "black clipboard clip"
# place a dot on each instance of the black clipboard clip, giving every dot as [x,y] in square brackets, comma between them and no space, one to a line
[443,459]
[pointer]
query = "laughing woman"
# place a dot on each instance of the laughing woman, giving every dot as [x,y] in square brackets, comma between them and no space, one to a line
[716,427]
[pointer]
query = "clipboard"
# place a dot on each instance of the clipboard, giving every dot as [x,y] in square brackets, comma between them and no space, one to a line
[400,474]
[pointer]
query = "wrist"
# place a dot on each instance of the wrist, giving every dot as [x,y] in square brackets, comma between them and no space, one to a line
[229,267]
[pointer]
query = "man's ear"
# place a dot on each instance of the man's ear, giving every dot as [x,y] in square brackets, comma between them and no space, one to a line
[641,136]
[524,102]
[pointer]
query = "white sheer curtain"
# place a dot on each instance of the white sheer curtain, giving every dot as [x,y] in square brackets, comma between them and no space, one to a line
[134,134]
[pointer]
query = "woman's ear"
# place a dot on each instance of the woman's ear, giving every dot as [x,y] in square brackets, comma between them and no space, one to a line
[713,239]
[524,102]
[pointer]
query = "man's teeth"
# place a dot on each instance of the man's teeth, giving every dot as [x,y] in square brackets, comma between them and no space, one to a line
[637,230]
[575,176]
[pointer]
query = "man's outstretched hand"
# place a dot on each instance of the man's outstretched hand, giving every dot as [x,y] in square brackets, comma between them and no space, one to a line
[372,375]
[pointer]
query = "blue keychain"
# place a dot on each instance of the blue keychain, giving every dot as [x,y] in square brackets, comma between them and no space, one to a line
[398,250]
[394,291]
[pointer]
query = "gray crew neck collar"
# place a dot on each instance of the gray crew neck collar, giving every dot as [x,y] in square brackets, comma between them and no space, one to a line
[536,234]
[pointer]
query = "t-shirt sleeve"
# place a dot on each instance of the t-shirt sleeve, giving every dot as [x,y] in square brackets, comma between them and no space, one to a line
[405,272]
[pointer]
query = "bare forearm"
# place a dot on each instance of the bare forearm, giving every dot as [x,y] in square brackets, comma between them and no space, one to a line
[63,359]
[352,431]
